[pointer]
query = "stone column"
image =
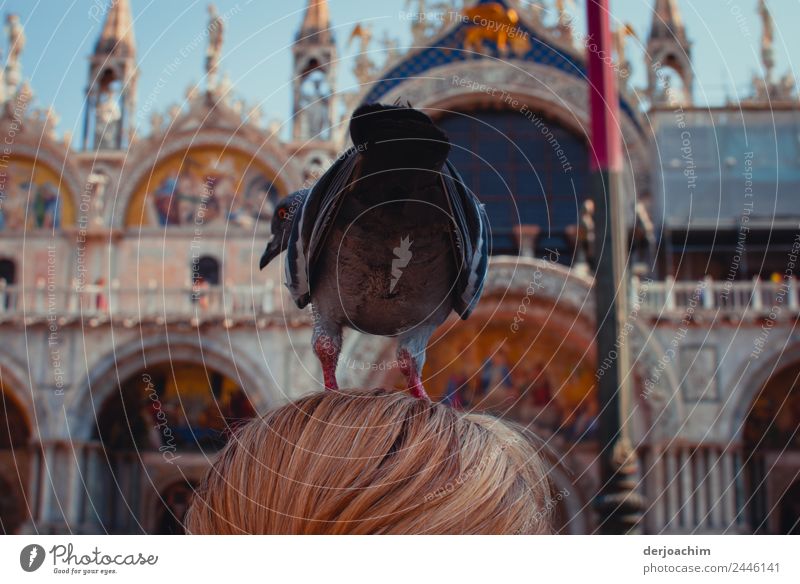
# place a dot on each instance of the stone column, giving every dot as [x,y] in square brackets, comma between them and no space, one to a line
[61,488]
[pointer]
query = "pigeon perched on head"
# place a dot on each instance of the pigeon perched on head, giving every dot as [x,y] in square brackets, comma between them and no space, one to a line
[387,242]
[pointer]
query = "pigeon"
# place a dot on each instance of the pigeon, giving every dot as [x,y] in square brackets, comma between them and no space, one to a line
[387,242]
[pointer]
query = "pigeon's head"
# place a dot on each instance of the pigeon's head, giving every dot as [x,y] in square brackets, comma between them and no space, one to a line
[281,226]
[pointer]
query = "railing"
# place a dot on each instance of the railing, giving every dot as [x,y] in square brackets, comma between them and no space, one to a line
[667,299]
[152,302]
[755,298]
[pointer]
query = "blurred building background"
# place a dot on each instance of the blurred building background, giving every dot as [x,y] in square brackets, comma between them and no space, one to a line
[137,330]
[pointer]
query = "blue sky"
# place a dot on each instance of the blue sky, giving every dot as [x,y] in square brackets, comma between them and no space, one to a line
[61,35]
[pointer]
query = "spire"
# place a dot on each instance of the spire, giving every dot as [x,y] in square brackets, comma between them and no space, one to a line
[111,92]
[316,21]
[669,57]
[117,36]
[314,103]
[667,21]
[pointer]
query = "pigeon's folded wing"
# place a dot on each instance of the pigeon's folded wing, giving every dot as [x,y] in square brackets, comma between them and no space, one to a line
[311,229]
[470,240]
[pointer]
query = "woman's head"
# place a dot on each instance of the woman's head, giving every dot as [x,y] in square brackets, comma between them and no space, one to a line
[369,462]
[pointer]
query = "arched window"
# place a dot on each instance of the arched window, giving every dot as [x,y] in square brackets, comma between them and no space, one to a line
[14,437]
[527,169]
[14,431]
[772,454]
[8,270]
[174,408]
[8,276]
[207,270]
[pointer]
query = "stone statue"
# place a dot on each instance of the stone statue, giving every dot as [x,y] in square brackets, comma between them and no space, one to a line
[364,68]
[156,122]
[564,24]
[16,39]
[619,39]
[216,36]
[644,235]
[787,86]
[16,44]
[107,117]
[314,101]
[441,14]
[2,80]
[767,39]
[255,115]
[362,33]
[419,23]
[533,9]
[225,86]
[97,182]
[50,120]
[586,234]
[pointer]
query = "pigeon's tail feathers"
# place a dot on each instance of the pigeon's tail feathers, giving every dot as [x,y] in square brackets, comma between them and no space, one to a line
[400,134]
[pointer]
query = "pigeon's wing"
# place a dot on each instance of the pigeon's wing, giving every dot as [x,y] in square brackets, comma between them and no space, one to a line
[470,240]
[311,228]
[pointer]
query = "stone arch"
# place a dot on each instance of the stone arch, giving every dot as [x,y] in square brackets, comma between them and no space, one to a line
[132,358]
[366,360]
[14,383]
[557,94]
[15,479]
[41,151]
[748,382]
[146,158]
[758,420]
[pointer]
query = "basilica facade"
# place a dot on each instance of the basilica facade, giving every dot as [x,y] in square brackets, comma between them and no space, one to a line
[138,330]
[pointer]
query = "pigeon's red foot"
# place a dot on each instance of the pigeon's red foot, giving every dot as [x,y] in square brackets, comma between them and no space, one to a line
[328,354]
[413,378]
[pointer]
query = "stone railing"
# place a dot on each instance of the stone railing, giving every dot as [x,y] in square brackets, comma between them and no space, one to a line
[708,298]
[150,303]
[667,299]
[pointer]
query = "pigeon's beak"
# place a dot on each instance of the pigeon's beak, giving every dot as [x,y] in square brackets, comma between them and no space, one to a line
[273,250]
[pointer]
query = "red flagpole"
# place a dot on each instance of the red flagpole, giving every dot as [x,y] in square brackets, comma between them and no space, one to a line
[618,504]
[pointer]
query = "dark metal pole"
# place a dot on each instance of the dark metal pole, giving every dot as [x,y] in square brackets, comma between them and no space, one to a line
[618,504]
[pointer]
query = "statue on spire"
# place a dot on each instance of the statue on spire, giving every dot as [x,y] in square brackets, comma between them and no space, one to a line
[767,40]
[565,18]
[765,88]
[364,66]
[16,44]
[419,21]
[107,119]
[216,30]
[619,39]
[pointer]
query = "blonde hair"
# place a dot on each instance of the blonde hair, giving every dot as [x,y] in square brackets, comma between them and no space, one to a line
[373,462]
